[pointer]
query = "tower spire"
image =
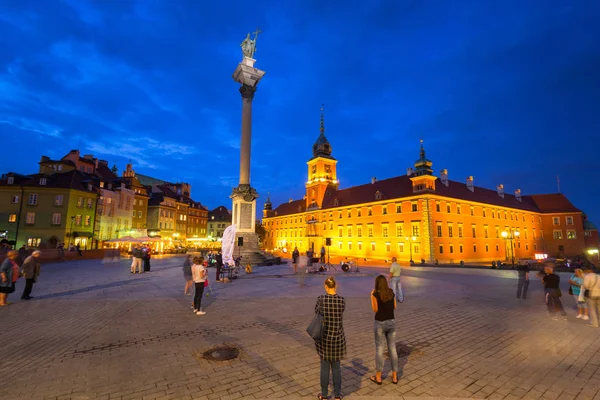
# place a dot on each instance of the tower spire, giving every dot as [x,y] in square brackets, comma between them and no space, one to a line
[322,120]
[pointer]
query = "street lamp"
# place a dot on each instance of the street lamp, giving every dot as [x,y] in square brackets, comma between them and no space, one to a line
[510,236]
[414,239]
[71,231]
[591,252]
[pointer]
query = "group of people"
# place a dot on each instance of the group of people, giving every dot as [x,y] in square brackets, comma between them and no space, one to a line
[331,347]
[140,259]
[13,268]
[584,286]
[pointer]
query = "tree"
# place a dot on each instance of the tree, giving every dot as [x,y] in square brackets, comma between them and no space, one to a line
[260,231]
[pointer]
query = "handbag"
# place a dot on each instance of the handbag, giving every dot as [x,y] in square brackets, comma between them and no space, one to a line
[206,282]
[571,290]
[315,328]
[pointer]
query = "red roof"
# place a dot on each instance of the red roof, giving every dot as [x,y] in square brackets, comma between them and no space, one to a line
[553,203]
[401,187]
[293,207]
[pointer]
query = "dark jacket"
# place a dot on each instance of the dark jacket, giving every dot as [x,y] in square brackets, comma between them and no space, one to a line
[7,268]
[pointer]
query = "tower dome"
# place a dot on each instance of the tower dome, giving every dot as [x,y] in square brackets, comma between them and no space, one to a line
[423,165]
[268,205]
[322,147]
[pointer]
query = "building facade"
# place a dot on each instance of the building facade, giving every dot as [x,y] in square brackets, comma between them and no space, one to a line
[47,209]
[218,220]
[420,216]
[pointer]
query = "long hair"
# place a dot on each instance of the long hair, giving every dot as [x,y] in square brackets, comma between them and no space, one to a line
[381,287]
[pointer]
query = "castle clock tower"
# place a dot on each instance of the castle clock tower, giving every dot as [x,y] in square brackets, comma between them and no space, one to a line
[321,171]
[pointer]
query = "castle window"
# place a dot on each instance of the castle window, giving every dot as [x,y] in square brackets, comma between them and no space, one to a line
[458,208]
[448,208]
[388,247]
[385,230]
[373,246]
[439,229]
[359,231]
[398,208]
[399,229]
[384,209]
[359,245]
[415,206]
[349,229]
[484,213]
[555,221]
[340,231]
[441,249]
[369,211]
[415,229]
[359,213]
[378,195]
[569,220]
[437,207]
[472,210]
[400,247]
[450,233]
[349,214]
[370,230]
[340,214]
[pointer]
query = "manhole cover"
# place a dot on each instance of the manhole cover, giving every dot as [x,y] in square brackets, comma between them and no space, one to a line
[222,353]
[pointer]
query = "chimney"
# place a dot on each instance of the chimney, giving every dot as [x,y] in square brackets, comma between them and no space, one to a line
[518,194]
[470,184]
[500,189]
[373,180]
[44,159]
[103,162]
[444,177]
[290,200]
[88,157]
[409,171]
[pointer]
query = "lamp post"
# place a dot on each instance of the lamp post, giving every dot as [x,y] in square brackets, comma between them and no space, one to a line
[410,245]
[591,252]
[511,236]
[71,230]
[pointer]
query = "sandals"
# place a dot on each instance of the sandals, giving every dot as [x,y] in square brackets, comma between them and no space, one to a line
[374,379]
[321,397]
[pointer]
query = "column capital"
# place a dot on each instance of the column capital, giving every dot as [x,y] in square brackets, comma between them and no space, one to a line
[247,91]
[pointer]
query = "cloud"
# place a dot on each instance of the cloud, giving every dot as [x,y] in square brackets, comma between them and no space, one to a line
[38,127]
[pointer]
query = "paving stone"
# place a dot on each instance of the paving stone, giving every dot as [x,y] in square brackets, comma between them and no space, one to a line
[120,336]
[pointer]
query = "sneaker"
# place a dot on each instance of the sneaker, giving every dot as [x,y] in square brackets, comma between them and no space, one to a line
[585,318]
[579,316]
[200,313]
[555,318]
[564,318]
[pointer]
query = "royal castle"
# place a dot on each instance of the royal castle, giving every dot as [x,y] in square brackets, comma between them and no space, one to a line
[422,216]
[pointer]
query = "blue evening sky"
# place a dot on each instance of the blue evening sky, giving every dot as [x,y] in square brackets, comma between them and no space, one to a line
[506,91]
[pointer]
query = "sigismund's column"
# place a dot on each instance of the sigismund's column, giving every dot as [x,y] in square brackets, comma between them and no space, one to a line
[244,195]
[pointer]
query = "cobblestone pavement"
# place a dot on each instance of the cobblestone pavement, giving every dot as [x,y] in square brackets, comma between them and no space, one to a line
[95,331]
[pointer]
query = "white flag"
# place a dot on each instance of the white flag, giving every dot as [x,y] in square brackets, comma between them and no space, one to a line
[227,245]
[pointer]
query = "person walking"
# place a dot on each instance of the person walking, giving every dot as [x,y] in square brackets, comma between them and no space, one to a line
[332,346]
[591,286]
[30,270]
[523,284]
[576,282]
[9,273]
[551,283]
[187,274]
[383,304]
[219,265]
[395,271]
[199,276]
[295,257]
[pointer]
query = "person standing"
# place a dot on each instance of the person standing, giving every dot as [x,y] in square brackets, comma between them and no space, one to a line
[309,256]
[332,346]
[9,273]
[395,271]
[187,274]
[576,282]
[219,265]
[523,284]
[552,290]
[31,270]
[322,254]
[383,304]
[295,257]
[199,276]
[136,263]
[146,257]
[591,283]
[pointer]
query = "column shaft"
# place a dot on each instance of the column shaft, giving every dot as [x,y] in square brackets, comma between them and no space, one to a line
[245,144]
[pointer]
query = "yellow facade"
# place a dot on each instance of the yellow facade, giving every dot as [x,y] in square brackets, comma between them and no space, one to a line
[418,216]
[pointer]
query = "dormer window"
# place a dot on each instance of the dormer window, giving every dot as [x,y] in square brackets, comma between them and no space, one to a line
[42,181]
[378,195]
[10,180]
[102,185]
[89,187]
[336,202]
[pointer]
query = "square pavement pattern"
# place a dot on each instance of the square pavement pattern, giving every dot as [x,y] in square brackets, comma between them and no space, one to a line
[95,331]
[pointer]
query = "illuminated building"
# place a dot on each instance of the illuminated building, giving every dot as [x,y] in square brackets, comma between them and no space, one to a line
[218,220]
[422,216]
